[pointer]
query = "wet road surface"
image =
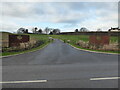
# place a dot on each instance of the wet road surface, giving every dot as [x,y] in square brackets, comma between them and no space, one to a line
[62,67]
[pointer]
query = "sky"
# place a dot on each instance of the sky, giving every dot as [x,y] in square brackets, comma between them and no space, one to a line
[67,16]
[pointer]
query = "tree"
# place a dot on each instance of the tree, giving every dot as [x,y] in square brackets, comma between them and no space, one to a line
[40,31]
[21,30]
[56,31]
[26,31]
[51,33]
[76,30]
[99,30]
[47,30]
[83,29]
[34,30]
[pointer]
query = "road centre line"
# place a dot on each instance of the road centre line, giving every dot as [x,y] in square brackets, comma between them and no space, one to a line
[106,78]
[33,81]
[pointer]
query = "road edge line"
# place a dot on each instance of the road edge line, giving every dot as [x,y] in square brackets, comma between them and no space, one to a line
[105,78]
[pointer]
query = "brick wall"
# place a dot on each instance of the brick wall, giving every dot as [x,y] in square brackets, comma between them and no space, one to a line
[99,39]
[15,40]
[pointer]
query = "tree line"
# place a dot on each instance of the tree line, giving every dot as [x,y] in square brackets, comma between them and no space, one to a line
[37,30]
[50,31]
[83,29]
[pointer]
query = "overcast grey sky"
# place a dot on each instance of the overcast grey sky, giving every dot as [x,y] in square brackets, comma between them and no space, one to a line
[66,16]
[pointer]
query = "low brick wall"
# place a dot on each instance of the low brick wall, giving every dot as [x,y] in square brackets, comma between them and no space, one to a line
[99,39]
[15,40]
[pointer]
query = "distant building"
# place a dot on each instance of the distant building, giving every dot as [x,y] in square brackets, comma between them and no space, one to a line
[114,29]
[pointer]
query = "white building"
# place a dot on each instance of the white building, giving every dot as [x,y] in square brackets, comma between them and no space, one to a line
[114,29]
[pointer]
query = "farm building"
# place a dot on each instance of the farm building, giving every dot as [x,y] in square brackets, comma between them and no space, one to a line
[114,29]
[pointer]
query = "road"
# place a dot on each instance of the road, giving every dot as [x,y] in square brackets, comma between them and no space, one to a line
[60,66]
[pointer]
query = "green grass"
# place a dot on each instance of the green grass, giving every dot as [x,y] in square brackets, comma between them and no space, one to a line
[13,53]
[114,39]
[32,36]
[85,38]
[74,38]
[95,50]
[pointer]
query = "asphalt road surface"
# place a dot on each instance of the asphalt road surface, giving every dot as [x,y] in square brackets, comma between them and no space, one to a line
[60,66]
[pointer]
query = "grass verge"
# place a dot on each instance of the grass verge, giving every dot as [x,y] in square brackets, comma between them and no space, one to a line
[74,38]
[114,52]
[33,36]
[26,51]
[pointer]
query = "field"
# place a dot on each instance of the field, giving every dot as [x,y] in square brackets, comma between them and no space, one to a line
[85,38]
[75,38]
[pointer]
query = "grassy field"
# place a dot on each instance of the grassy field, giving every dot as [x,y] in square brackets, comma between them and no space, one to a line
[85,38]
[32,36]
[74,38]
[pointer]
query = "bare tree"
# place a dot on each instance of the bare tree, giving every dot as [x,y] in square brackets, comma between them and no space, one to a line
[56,31]
[51,33]
[83,29]
[26,31]
[40,31]
[21,30]
[34,30]
[76,30]
[99,30]
[47,30]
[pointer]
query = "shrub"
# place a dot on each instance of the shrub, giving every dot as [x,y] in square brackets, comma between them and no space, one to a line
[24,46]
[68,41]
[110,47]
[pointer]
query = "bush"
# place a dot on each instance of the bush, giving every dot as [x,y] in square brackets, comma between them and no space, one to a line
[24,46]
[110,47]
[83,44]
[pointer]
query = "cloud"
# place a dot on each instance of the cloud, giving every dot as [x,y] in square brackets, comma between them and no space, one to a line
[59,1]
[17,10]
[10,27]
[69,15]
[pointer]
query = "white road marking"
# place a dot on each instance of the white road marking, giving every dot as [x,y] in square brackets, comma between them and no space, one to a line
[106,78]
[33,81]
